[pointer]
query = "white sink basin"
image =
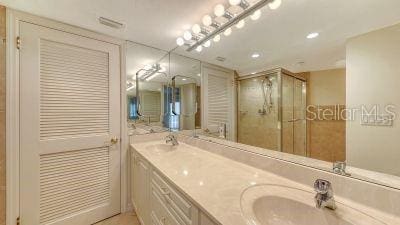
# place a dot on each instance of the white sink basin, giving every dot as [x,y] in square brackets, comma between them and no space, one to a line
[281,205]
[161,148]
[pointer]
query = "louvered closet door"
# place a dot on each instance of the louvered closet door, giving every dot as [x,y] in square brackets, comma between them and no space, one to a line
[70,109]
[219,101]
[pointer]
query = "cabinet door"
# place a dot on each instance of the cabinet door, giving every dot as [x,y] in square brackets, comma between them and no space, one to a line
[141,187]
[204,220]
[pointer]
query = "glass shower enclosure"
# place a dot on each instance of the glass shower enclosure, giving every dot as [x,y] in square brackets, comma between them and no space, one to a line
[272,111]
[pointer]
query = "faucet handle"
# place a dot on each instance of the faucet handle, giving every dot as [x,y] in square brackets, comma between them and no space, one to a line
[322,186]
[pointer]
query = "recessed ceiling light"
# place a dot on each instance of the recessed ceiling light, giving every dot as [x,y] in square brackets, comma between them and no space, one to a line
[198,74]
[312,35]
[255,55]
[183,79]
[300,63]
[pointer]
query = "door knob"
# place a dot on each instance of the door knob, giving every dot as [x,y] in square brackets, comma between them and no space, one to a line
[114,140]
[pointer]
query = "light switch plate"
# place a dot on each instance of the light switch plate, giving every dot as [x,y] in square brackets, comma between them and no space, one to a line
[377,120]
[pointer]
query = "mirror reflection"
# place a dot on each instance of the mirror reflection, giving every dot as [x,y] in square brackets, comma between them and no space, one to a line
[185,79]
[147,87]
[299,89]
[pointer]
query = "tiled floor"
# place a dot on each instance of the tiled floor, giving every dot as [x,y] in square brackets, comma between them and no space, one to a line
[122,219]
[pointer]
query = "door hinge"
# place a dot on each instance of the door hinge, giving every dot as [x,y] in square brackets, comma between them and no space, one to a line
[18,43]
[18,221]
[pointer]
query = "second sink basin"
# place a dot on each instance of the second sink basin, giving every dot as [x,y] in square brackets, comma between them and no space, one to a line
[270,204]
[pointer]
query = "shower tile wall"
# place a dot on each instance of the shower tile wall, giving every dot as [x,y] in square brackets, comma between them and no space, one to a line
[2,115]
[327,137]
[256,129]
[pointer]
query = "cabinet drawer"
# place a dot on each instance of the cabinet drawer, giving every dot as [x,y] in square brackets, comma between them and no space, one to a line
[160,214]
[175,200]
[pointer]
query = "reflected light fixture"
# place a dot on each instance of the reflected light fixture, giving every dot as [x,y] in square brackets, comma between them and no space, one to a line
[151,77]
[217,38]
[256,15]
[312,35]
[187,35]
[180,41]
[275,4]
[207,44]
[207,20]
[235,2]
[228,31]
[240,24]
[196,29]
[255,55]
[130,86]
[219,10]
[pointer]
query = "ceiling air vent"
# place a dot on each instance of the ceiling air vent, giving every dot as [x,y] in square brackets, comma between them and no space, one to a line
[221,59]
[110,23]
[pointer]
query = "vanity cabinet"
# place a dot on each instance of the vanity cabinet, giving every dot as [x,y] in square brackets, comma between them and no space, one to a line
[140,172]
[156,201]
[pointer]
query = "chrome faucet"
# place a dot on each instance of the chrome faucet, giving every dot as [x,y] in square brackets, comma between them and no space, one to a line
[340,168]
[324,197]
[171,138]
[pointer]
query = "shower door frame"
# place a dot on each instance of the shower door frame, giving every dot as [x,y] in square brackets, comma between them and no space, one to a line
[278,72]
[280,109]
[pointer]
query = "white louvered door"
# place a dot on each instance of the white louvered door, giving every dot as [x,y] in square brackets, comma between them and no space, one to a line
[219,101]
[69,111]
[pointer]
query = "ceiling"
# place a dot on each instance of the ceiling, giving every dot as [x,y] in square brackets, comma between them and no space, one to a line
[279,36]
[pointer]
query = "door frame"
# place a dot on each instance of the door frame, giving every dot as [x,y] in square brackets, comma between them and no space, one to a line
[13,18]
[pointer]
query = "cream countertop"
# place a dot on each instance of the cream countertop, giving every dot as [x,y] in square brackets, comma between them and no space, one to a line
[215,183]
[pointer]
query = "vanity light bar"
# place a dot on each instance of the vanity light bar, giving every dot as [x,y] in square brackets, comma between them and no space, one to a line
[149,73]
[232,20]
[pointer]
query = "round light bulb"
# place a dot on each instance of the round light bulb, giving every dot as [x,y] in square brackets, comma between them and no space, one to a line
[235,2]
[199,48]
[228,31]
[256,15]
[207,20]
[207,44]
[196,29]
[275,4]
[147,67]
[180,41]
[187,35]
[217,38]
[240,24]
[219,10]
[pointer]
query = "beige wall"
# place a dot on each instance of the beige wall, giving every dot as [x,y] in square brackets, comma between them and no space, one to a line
[327,87]
[373,68]
[2,115]
[326,138]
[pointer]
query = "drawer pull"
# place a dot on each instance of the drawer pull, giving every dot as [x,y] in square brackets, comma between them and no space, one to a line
[165,191]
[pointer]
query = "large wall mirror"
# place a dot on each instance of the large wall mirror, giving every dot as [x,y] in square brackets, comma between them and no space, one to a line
[147,89]
[302,92]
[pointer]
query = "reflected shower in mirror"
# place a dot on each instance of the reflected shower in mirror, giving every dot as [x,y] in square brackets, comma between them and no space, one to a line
[147,85]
